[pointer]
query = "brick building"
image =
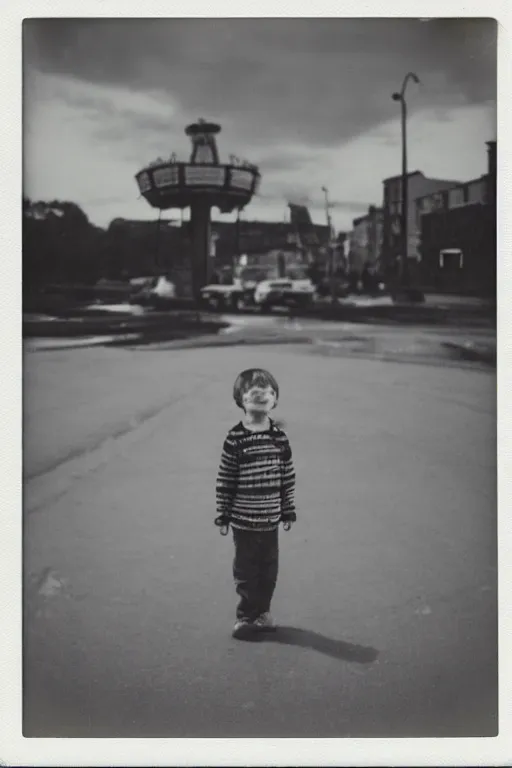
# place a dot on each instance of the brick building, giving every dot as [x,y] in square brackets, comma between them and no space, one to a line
[419,185]
[458,235]
[366,239]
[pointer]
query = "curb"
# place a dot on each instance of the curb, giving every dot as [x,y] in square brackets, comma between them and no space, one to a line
[443,352]
[33,345]
[410,359]
[472,352]
[463,356]
[230,340]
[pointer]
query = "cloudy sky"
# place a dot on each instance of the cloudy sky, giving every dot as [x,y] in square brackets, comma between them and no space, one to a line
[309,101]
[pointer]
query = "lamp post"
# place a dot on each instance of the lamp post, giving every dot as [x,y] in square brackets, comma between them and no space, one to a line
[400,96]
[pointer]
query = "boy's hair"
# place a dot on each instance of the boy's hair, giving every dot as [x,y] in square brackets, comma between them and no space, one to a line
[250,378]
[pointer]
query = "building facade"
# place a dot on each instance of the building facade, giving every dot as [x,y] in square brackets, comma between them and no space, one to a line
[418,186]
[458,235]
[164,246]
[260,237]
[366,239]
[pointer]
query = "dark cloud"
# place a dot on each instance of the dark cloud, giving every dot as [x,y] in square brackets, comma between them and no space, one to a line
[294,193]
[279,161]
[313,81]
[468,50]
[350,206]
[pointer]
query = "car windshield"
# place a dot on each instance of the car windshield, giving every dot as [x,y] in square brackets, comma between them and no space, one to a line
[253,273]
[296,273]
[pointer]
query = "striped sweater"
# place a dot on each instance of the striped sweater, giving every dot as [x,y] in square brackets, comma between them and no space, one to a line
[256,479]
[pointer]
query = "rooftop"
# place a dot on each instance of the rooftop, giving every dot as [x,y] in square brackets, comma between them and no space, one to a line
[394,178]
[455,185]
[373,209]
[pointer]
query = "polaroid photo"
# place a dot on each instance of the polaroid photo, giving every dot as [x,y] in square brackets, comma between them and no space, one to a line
[252,456]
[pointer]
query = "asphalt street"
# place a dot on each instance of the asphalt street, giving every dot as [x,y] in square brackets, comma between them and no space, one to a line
[386,598]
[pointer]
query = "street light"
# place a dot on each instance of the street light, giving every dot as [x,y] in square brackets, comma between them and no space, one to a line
[401,98]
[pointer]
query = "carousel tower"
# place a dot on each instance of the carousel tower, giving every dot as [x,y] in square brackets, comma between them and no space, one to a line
[200,184]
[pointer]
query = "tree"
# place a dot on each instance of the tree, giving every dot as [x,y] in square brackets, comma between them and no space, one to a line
[59,244]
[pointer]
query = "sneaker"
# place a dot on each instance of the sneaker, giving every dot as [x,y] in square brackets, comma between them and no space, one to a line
[265,623]
[243,628]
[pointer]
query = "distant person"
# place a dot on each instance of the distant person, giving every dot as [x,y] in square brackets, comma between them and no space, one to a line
[255,493]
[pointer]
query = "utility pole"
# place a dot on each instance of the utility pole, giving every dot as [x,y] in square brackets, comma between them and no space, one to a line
[330,245]
[405,179]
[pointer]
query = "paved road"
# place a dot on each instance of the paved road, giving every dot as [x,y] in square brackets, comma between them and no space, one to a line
[386,594]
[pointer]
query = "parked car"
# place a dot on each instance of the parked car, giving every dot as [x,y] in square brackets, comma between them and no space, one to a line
[263,294]
[155,292]
[237,295]
[284,292]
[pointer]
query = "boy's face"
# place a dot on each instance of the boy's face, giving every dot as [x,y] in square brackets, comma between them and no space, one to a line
[259,398]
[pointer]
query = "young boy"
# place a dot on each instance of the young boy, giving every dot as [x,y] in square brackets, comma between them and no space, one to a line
[255,492]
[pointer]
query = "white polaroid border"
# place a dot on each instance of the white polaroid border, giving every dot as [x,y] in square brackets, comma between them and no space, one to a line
[14,749]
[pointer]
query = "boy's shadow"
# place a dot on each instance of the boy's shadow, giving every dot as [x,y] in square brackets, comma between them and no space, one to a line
[306,638]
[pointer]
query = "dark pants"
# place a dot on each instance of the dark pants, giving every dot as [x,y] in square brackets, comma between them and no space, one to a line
[255,571]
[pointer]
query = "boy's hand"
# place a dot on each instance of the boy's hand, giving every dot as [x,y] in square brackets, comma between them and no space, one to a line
[222,522]
[288,518]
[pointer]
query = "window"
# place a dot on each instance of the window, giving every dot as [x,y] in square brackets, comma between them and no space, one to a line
[144,182]
[165,177]
[450,258]
[427,205]
[437,201]
[476,191]
[394,190]
[241,179]
[456,197]
[197,174]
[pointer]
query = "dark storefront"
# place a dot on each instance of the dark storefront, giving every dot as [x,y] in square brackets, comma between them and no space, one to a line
[458,250]
[458,242]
